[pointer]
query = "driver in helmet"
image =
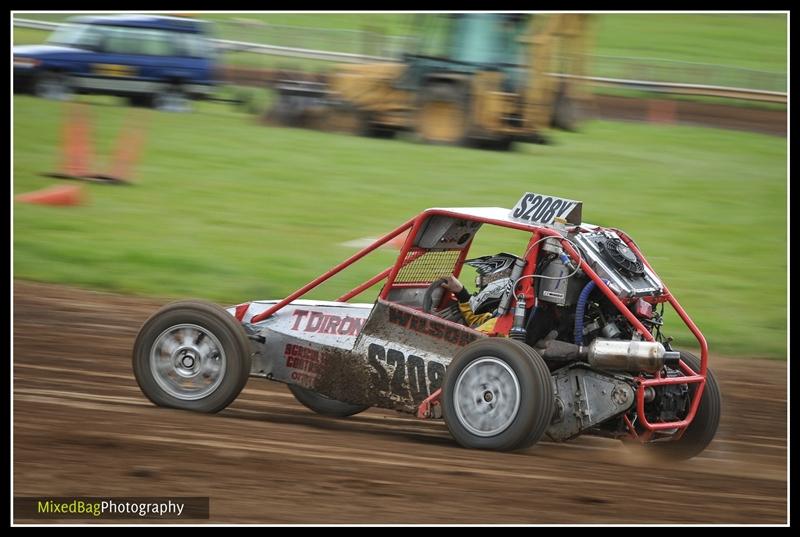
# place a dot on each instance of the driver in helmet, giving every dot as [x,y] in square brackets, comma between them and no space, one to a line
[483,322]
[480,311]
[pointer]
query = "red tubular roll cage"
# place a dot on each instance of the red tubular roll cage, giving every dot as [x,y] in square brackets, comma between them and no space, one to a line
[499,217]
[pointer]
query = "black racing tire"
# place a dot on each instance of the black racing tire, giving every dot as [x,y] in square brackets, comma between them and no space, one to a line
[324,405]
[522,410]
[209,363]
[703,428]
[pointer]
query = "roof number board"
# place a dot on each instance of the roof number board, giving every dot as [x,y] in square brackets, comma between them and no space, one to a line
[542,209]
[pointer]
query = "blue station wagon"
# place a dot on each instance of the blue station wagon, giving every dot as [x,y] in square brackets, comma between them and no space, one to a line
[152,60]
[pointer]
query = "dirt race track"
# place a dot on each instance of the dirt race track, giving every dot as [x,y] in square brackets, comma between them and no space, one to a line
[82,427]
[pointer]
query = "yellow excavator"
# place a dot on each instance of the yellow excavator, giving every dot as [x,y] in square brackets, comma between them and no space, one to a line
[475,79]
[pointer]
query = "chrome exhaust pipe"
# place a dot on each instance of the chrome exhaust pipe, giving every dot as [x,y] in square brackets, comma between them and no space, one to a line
[632,356]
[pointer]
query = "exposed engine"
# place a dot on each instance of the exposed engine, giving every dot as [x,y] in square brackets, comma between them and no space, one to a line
[613,261]
[580,314]
[593,351]
[586,397]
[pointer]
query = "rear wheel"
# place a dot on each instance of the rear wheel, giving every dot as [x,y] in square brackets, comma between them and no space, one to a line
[564,114]
[172,98]
[192,355]
[701,431]
[139,100]
[324,405]
[443,114]
[497,395]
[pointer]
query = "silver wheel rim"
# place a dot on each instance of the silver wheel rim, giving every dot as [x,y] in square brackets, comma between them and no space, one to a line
[172,100]
[52,87]
[486,396]
[187,361]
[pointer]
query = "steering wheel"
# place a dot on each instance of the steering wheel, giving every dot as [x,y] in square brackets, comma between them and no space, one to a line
[451,313]
[427,298]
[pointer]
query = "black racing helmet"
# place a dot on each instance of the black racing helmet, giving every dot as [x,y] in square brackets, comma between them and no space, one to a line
[493,279]
[492,267]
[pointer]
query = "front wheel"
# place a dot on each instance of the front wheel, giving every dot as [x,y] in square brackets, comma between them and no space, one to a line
[52,85]
[324,405]
[703,428]
[192,355]
[497,395]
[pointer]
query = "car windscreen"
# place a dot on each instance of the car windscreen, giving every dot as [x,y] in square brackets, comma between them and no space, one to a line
[127,40]
[193,46]
[83,36]
[154,42]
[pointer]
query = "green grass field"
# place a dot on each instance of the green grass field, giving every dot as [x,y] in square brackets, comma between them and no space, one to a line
[230,210]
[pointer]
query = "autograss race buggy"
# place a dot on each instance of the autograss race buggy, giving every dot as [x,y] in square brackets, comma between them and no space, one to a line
[576,346]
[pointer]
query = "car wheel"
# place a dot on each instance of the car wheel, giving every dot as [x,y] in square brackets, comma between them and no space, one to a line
[192,355]
[52,85]
[565,111]
[443,116]
[138,100]
[497,394]
[324,405]
[703,428]
[383,133]
[172,98]
[503,143]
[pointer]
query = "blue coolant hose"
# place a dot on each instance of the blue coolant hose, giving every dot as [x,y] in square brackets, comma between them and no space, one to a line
[580,310]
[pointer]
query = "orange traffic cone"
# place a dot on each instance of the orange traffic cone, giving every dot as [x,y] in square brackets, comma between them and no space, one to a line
[127,150]
[65,195]
[76,152]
